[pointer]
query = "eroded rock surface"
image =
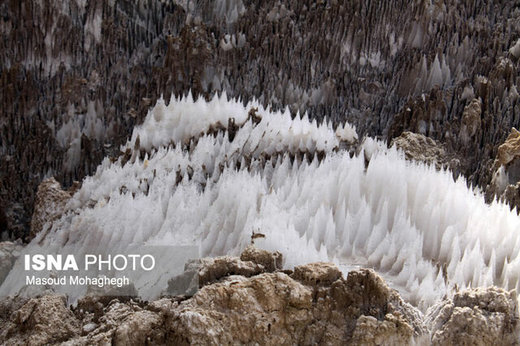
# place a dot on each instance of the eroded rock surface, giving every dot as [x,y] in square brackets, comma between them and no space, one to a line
[505,183]
[200,272]
[477,317]
[270,260]
[248,301]
[40,321]
[509,152]
[313,304]
[418,147]
[49,205]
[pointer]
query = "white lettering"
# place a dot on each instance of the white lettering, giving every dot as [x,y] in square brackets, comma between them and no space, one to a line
[114,261]
[27,262]
[54,262]
[89,259]
[38,262]
[152,263]
[70,263]
[101,262]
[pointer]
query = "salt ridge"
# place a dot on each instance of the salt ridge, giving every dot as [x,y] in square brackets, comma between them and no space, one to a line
[426,233]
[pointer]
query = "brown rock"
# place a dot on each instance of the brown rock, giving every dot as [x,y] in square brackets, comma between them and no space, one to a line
[509,150]
[121,323]
[512,195]
[49,205]
[477,317]
[471,121]
[505,183]
[7,306]
[393,330]
[140,328]
[317,273]
[420,148]
[275,309]
[41,321]
[270,260]
[198,273]
[315,306]
[269,309]
[213,269]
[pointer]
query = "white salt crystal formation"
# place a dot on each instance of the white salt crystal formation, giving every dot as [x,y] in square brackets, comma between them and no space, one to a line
[212,173]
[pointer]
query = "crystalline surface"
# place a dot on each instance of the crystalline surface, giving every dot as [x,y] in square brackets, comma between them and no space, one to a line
[187,183]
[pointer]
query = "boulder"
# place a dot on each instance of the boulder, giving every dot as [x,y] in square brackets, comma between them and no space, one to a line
[418,147]
[509,151]
[314,305]
[200,272]
[49,205]
[41,321]
[471,121]
[270,260]
[317,273]
[505,182]
[481,316]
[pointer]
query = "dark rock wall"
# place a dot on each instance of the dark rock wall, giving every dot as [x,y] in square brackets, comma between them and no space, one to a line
[76,76]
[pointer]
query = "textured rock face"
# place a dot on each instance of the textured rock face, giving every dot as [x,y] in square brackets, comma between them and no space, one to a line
[505,183]
[314,304]
[213,269]
[49,205]
[201,272]
[270,260]
[391,331]
[512,195]
[254,309]
[418,147]
[41,321]
[471,121]
[121,324]
[477,317]
[317,273]
[509,151]
[77,76]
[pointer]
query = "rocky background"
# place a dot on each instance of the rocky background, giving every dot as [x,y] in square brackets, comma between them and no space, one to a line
[76,76]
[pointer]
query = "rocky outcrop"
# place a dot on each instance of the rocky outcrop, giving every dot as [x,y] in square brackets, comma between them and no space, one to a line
[509,152]
[477,317]
[512,196]
[214,269]
[121,323]
[278,309]
[8,305]
[312,304]
[49,204]
[41,321]
[471,121]
[271,261]
[417,147]
[201,272]
[317,274]
[505,184]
